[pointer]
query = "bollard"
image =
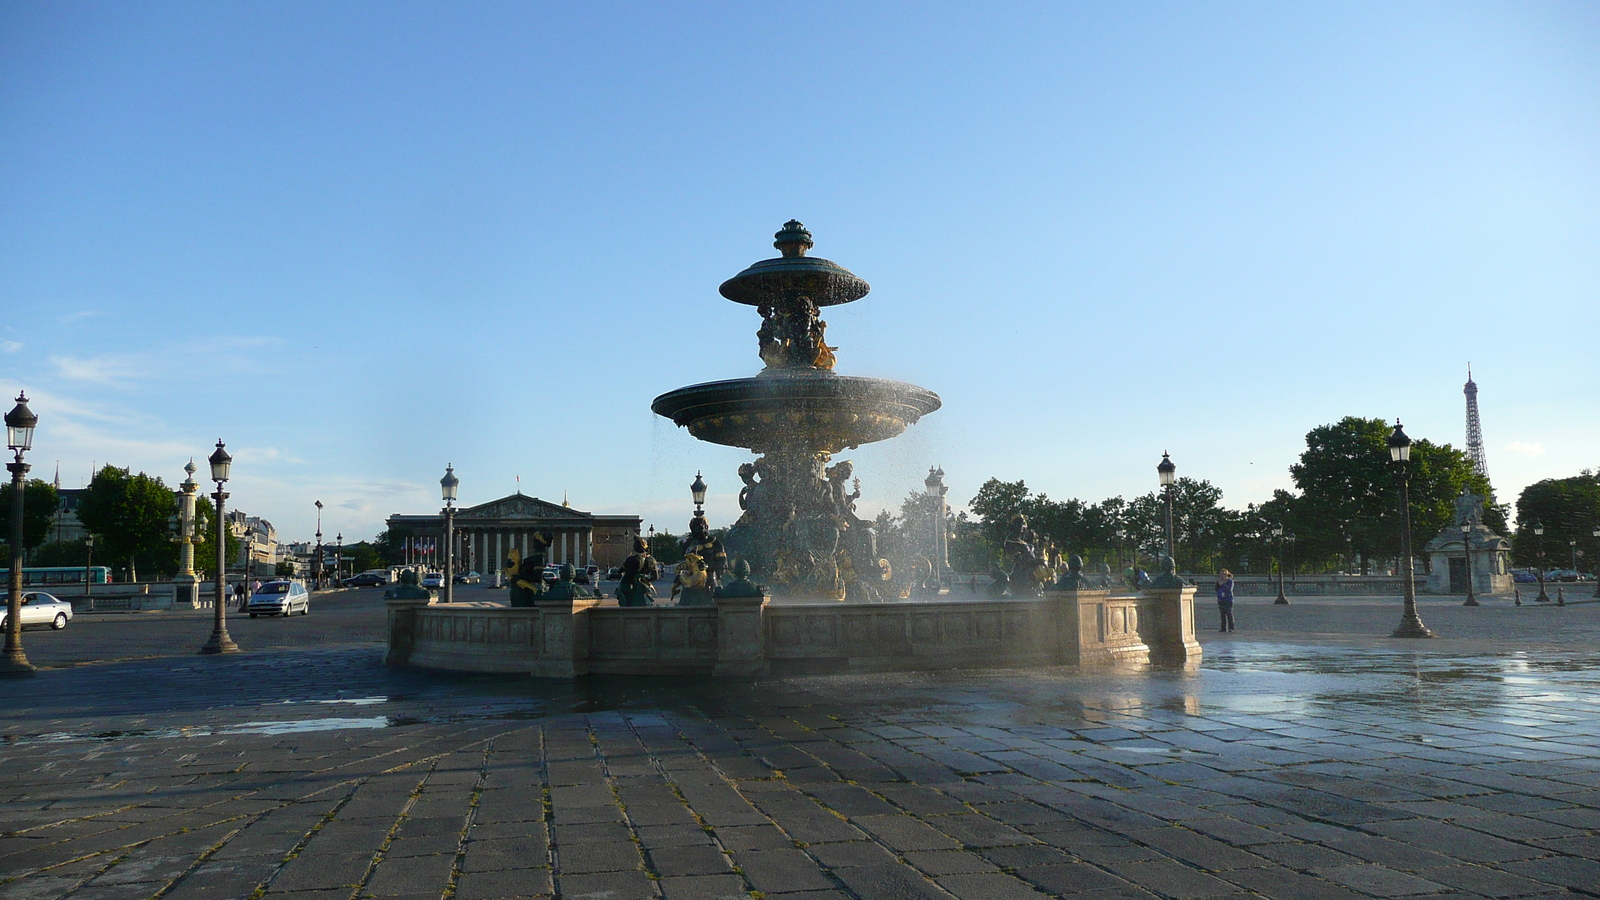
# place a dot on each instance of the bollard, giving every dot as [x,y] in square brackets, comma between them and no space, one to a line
[1519,595]
[1561,597]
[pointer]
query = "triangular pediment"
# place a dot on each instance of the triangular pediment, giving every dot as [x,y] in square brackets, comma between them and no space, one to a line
[519,506]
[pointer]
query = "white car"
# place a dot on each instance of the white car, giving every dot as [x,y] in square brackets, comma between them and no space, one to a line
[433,580]
[39,608]
[280,598]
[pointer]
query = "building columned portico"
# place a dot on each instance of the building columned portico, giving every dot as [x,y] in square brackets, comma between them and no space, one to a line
[486,534]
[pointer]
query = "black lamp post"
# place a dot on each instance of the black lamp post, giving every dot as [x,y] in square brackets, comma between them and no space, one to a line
[1294,569]
[1167,471]
[88,566]
[1122,558]
[20,423]
[698,491]
[1277,535]
[1538,532]
[1466,547]
[219,642]
[1400,454]
[338,559]
[1573,544]
[316,561]
[1596,534]
[447,487]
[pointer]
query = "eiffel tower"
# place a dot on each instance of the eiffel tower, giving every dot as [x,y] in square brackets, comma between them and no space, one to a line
[1474,429]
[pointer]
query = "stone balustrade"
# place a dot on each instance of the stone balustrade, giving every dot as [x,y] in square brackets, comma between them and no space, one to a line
[743,636]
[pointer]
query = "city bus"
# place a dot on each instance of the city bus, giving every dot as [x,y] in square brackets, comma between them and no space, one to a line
[44,576]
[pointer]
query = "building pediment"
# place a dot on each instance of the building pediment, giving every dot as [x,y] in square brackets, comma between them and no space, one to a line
[520,506]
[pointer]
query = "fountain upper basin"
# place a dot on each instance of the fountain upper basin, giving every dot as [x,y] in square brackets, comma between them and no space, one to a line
[807,410]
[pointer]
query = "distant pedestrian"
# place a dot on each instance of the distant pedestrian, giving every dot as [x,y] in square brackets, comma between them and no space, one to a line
[1225,599]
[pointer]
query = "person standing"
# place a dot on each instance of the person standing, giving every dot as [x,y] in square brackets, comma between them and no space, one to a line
[1225,599]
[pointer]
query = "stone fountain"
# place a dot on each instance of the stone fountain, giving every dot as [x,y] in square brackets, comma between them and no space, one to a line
[798,528]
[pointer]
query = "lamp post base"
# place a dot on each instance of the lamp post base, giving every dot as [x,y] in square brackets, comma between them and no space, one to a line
[220,643]
[15,662]
[1281,601]
[1411,627]
[1471,601]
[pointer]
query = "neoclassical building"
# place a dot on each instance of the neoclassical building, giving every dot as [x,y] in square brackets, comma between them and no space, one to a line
[487,533]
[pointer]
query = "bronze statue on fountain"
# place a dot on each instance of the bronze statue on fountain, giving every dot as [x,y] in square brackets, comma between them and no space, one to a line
[797,525]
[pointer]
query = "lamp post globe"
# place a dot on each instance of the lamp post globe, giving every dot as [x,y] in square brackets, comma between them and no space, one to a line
[697,490]
[1400,456]
[20,422]
[220,642]
[1466,549]
[448,486]
[1538,534]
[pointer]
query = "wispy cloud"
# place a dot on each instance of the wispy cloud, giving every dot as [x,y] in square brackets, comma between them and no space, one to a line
[10,346]
[1525,448]
[109,371]
[77,316]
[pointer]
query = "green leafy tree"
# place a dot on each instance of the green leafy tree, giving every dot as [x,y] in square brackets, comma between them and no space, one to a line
[38,511]
[129,516]
[1349,500]
[60,553]
[664,547]
[1569,510]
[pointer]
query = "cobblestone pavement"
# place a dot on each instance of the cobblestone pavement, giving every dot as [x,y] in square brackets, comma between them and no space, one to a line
[1306,757]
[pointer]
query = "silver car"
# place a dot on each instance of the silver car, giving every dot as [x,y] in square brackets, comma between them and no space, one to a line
[279,598]
[39,608]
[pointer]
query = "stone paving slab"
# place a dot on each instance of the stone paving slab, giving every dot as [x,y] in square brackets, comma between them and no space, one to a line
[1332,768]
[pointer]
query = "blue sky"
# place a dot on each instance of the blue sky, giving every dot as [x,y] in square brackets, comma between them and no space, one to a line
[360,240]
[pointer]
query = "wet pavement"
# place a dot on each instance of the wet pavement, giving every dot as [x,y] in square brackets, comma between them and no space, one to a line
[1307,756]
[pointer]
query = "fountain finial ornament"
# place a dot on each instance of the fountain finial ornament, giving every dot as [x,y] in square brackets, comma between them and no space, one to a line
[794,240]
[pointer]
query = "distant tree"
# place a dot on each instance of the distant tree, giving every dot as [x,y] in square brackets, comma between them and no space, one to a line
[38,511]
[284,569]
[1349,500]
[365,555]
[60,553]
[1569,510]
[390,547]
[129,514]
[664,547]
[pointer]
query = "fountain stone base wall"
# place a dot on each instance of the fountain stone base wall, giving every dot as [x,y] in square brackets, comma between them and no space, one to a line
[749,636]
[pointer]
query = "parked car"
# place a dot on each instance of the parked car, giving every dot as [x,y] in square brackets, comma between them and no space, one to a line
[552,574]
[40,608]
[467,578]
[365,579]
[1561,575]
[280,598]
[1524,577]
[613,574]
[433,580]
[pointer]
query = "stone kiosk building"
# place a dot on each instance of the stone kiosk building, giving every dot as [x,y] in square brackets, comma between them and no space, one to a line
[487,533]
[1447,558]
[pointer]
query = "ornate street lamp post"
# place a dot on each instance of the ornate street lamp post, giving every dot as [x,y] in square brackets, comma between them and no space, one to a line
[1538,533]
[1596,534]
[1277,535]
[1167,471]
[338,559]
[1573,544]
[221,464]
[1400,454]
[941,541]
[698,491]
[20,423]
[1294,569]
[1122,557]
[316,561]
[447,487]
[1466,547]
[88,567]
